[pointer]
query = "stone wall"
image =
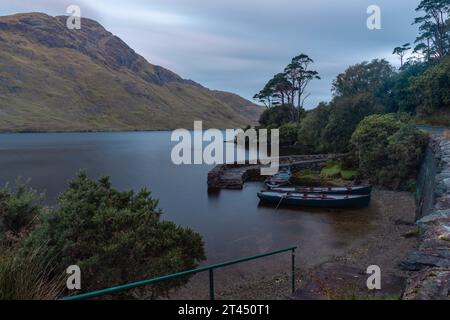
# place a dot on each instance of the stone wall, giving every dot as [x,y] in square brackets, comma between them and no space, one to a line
[430,263]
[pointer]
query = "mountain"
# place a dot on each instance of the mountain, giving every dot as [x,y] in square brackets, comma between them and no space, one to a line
[56,79]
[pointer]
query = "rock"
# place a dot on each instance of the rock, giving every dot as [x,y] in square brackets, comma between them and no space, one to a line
[420,260]
[337,281]
[433,217]
[443,203]
[447,183]
[430,284]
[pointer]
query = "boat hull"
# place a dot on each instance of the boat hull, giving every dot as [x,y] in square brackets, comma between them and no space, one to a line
[330,201]
[364,190]
[281,179]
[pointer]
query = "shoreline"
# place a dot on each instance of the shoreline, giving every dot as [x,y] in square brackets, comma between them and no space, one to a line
[390,237]
[102,131]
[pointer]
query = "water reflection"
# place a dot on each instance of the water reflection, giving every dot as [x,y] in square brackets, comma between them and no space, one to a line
[232,222]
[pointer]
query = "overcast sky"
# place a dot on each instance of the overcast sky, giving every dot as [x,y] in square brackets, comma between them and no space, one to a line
[237,45]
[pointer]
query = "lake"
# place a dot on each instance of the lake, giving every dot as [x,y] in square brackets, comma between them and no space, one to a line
[232,222]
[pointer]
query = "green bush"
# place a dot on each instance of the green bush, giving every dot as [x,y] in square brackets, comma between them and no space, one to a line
[19,206]
[115,237]
[389,149]
[288,134]
[311,127]
[345,114]
[275,117]
[432,89]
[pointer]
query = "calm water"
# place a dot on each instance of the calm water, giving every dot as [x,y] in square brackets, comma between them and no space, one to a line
[232,222]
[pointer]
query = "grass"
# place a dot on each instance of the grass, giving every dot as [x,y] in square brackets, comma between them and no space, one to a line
[348,174]
[307,178]
[63,89]
[334,170]
[331,171]
[25,278]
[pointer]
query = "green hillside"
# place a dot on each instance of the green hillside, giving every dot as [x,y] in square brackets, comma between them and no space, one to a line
[56,79]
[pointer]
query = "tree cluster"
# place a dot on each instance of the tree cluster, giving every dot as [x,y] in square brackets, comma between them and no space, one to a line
[289,87]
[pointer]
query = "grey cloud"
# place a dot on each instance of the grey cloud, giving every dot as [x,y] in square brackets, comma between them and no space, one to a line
[237,45]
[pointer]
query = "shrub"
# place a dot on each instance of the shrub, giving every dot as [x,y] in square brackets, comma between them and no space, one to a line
[288,134]
[345,115]
[19,206]
[389,149]
[115,237]
[311,128]
[432,88]
[276,116]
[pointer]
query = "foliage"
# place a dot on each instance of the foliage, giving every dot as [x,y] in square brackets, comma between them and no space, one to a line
[432,89]
[396,93]
[389,149]
[362,78]
[115,237]
[26,277]
[402,51]
[275,117]
[433,40]
[345,114]
[285,87]
[311,129]
[19,206]
[288,134]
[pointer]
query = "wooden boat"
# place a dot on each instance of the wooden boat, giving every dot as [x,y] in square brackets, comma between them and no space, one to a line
[362,190]
[281,179]
[315,200]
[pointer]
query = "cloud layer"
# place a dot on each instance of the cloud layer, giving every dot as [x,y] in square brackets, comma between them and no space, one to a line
[237,45]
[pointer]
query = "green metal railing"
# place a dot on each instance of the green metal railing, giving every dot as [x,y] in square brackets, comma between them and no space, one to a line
[209,268]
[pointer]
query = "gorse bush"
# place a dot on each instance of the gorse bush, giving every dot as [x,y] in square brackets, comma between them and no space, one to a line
[115,237]
[19,207]
[388,149]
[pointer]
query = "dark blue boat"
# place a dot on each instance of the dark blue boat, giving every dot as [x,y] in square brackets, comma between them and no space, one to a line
[361,190]
[281,179]
[315,200]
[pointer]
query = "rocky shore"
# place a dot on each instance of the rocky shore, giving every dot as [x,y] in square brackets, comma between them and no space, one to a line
[430,263]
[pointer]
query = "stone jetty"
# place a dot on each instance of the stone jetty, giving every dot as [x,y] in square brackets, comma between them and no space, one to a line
[233,176]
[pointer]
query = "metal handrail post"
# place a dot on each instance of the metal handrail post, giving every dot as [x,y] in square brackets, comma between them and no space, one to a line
[209,268]
[293,269]
[211,284]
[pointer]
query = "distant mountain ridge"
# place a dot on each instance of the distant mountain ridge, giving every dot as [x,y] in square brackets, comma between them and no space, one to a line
[56,79]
